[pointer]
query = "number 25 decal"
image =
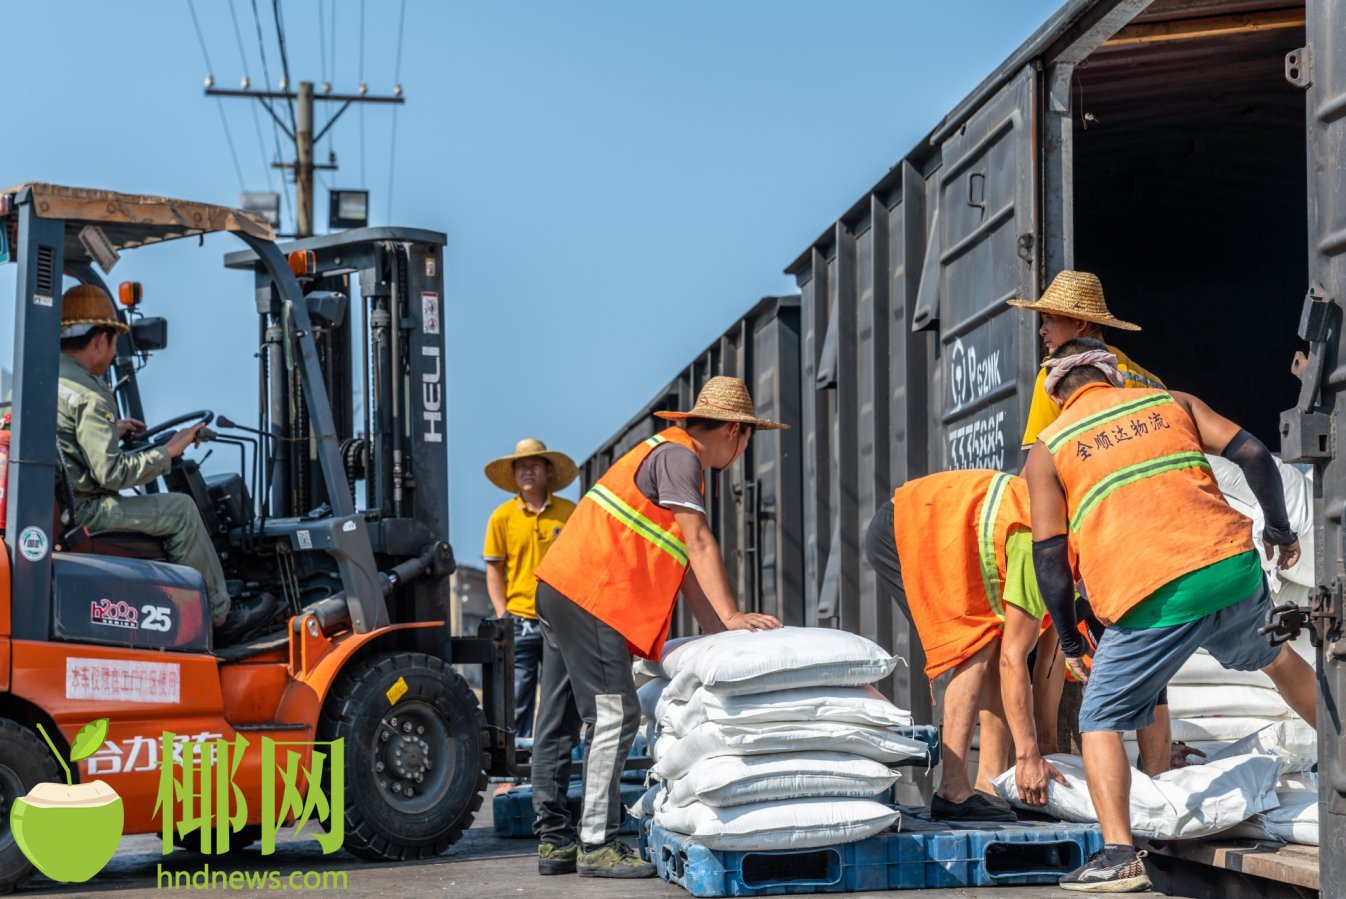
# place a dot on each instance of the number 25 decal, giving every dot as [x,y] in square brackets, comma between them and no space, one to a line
[156,618]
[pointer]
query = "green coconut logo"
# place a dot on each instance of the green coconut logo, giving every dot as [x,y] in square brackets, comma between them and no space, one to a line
[70,831]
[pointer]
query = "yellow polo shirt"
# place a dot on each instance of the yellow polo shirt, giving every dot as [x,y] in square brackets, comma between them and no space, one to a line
[520,539]
[1042,411]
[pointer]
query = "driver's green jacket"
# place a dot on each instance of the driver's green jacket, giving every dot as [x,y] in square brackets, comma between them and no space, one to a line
[86,429]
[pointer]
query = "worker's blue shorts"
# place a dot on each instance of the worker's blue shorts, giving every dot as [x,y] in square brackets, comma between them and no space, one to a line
[1133,664]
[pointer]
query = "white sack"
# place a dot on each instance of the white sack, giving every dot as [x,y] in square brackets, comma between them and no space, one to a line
[648,803]
[734,663]
[1218,729]
[1293,741]
[765,826]
[663,744]
[1181,804]
[644,670]
[1241,702]
[1294,821]
[649,696]
[710,740]
[730,780]
[1298,489]
[847,705]
[1202,669]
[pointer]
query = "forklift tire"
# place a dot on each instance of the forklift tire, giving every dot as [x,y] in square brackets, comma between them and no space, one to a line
[415,754]
[25,762]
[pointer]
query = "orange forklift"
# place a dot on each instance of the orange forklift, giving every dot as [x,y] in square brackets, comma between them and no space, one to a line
[338,509]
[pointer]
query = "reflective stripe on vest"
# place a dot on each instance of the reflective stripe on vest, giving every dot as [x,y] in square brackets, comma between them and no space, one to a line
[612,504]
[1129,475]
[990,570]
[1105,417]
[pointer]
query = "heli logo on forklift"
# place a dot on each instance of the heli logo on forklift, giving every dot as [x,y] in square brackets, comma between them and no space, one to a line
[432,396]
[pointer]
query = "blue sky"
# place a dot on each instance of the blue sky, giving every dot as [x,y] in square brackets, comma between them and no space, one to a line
[619,181]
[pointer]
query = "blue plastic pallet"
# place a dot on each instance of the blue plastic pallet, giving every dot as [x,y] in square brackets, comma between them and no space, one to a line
[514,817]
[927,734]
[931,856]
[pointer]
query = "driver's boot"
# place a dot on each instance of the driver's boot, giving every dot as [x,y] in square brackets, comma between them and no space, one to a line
[245,615]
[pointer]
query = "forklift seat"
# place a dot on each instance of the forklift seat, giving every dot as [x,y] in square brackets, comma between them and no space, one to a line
[76,538]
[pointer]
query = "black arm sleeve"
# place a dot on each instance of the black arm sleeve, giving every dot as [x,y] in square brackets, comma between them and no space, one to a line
[1051,562]
[1264,478]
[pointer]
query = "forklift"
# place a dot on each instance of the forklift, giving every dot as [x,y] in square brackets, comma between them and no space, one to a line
[340,512]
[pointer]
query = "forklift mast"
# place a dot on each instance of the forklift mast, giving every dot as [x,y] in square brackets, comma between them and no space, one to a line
[374,297]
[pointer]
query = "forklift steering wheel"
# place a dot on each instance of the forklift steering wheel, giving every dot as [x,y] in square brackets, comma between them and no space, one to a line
[164,431]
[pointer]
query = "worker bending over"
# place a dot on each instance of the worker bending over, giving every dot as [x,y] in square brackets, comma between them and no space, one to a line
[607,589]
[1121,480]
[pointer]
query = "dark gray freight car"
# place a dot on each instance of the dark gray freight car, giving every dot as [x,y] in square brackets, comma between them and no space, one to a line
[1192,153]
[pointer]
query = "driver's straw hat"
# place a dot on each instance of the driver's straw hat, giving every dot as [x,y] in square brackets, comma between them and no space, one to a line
[85,307]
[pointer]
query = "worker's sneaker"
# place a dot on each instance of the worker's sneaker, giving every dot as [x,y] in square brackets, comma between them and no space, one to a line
[614,859]
[244,616]
[553,859]
[977,807]
[1112,869]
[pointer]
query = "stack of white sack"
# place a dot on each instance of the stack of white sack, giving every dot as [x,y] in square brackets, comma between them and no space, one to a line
[1295,820]
[773,739]
[1182,804]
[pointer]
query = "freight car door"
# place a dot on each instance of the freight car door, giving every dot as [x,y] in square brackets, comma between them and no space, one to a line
[988,253]
[1321,68]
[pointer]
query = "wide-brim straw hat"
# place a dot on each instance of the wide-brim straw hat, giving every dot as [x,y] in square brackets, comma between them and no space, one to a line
[85,307]
[500,472]
[1076,295]
[725,399]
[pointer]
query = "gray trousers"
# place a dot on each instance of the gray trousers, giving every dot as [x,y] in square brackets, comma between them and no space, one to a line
[172,516]
[586,676]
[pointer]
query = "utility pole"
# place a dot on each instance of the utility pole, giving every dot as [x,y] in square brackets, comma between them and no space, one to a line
[302,133]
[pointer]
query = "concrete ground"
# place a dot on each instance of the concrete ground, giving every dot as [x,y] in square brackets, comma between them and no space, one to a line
[481,866]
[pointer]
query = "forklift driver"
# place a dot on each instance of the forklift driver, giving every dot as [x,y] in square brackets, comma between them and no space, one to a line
[88,430]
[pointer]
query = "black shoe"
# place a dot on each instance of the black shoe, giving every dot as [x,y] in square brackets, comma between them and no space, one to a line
[245,616]
[977,807]
[1109,871]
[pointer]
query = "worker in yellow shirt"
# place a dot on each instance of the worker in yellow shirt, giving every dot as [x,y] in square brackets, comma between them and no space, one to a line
[520,532]
[1073,306]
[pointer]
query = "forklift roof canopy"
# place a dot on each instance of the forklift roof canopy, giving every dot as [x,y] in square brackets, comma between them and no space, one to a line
[130,220]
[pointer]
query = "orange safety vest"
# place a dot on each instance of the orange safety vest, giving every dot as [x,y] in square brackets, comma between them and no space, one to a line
[951,529]
[1143,504]
[621,556]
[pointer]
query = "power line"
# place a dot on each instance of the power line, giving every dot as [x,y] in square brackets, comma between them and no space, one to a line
[224,120]
[284,58]
[363,181]
[256,121]
[397,81]
[266,74]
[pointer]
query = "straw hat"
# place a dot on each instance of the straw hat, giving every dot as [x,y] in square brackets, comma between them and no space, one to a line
[724,399]
[85,307]
[1076,295]
[500,472]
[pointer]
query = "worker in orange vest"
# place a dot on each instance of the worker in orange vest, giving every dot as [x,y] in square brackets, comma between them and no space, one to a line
[954,550]
[1121,479]
[606,590]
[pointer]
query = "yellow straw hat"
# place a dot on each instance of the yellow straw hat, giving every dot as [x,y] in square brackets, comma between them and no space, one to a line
[500,472]
[724,399]
[85,307]
[1076,295]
